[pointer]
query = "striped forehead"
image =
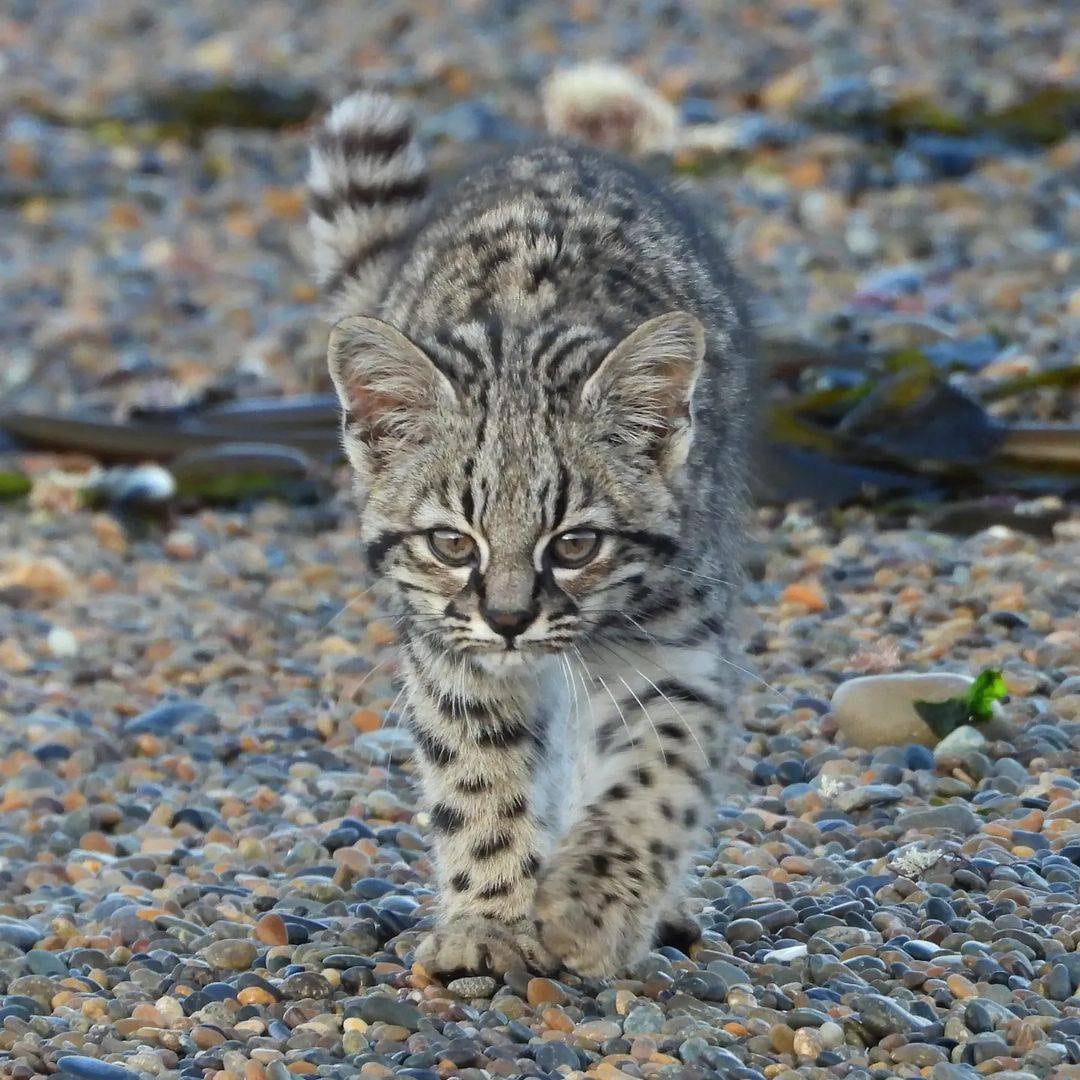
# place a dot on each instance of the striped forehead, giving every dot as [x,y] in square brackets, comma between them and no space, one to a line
[481,354]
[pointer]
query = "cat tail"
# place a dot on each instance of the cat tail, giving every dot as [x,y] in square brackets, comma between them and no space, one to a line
[368,184]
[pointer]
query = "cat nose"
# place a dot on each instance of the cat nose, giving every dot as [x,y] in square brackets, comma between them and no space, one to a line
[508,623]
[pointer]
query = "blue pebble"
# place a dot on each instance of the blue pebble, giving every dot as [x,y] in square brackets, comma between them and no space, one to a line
[89,1068]
[163,718]
[371,888]
[918,757]
[763,773]
[791,772]
[549,1056]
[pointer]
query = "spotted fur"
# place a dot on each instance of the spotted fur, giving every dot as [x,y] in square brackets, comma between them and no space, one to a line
[554,343]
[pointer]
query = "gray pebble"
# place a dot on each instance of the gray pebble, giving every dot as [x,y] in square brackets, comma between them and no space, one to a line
[957,817]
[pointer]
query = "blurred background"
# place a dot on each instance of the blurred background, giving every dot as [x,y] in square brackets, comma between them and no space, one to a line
[212,860]
[898,181]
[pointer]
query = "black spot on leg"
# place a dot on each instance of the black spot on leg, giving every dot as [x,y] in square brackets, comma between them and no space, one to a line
[600,865]
[516,807]
[499,888]
[643,777]
[461,881]
[529,865]
[596,921]
[690,817]
[616,792]
[493,846]
[667,810]
[477,785]
[446,819]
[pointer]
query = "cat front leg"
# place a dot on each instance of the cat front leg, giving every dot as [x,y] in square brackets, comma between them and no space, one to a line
[477,759]
[605,888]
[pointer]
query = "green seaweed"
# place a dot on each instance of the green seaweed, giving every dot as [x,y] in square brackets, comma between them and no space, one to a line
[228,490]
[1057,378]
[974,707]
[1047,115]
[14,485]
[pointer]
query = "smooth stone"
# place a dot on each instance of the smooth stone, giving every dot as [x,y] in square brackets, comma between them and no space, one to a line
[958,817]
[870,795]
[385,745]
[960,743]
[786,955]
[644,1020]
[1058,983]
[22,935]
[162,719]
[921,1054]
[550,1055]
[43,962]
[983,1015]
[305,984]
[744,930]
[380,1008]
[878,710]
[882,1016]
[233,954]
[89,1068]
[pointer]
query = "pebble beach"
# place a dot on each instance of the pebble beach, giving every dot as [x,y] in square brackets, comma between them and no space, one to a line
[213,865]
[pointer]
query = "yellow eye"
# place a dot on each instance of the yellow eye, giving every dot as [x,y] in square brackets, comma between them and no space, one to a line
[574,548]
[452,547]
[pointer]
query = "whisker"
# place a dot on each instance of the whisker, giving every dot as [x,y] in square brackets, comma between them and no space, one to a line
[618,709]
[648,717]
[347,605]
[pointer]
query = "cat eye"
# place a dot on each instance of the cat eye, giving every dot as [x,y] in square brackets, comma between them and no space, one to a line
[574,548]
[452,547]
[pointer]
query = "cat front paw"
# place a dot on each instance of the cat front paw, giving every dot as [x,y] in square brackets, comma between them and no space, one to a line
[472,944]
[592,929]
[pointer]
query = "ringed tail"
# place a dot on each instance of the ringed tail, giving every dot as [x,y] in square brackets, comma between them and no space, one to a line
[368,182]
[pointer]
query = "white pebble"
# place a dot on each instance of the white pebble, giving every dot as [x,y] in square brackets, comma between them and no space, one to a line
[62,643]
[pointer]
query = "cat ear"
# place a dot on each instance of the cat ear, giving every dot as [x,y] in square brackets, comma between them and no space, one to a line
[388,387]
[644,386]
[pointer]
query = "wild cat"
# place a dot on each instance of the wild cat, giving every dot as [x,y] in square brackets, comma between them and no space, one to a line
[544,374]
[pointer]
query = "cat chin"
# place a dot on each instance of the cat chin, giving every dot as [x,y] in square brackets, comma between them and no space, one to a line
[501,663]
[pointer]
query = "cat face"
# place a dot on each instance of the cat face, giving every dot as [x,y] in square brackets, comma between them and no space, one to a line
[515,509]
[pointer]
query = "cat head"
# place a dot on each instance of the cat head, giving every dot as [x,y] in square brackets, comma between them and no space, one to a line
[520,489]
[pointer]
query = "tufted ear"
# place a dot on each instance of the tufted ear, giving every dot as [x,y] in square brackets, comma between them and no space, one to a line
[388,387]
[643,388]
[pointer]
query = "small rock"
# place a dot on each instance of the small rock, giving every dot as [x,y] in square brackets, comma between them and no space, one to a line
[878,710]
[271,930]
[958,817]
[963,741]
[869,795]
[62,643]
[22,935]
[232,954]
[544,992]
[393,745]
[882,1016]
[476,986]
[380,1008]
[89,1068]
